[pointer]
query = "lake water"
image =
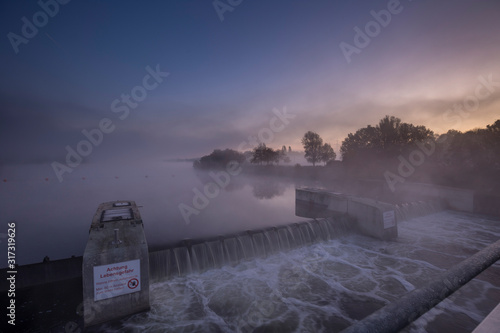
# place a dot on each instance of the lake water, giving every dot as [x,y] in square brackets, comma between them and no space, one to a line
[53,218]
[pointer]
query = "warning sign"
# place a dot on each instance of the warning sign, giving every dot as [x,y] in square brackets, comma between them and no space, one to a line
[133,283]
[117,279]
[389,219]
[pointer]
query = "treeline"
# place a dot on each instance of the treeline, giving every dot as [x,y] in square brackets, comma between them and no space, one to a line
[315,151]
[263,154]
[219,159]
[396,151]
[393,151]
[472,158]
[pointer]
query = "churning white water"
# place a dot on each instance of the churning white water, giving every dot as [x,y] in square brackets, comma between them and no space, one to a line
[327,286]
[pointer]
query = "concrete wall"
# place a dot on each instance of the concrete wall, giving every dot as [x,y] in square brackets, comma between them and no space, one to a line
[317,203]
[456,198]
[373,218]
[486,203]
[37,274]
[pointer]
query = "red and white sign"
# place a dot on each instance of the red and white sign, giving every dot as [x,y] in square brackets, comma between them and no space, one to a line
[117,279]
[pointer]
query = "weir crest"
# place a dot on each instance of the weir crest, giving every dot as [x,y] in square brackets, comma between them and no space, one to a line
[198,256]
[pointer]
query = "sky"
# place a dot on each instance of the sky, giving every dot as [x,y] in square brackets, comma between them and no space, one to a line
[178,79]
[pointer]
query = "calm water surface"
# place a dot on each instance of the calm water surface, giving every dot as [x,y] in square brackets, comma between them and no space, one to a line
[53,217]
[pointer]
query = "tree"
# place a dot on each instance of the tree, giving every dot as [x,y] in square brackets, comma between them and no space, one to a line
[312,145]
[219,159]
[358,144]
[258,154]
[282,156]
[470,159]
[315,150]
[327,154]
[476,150]
[387,139]
[388,128]
[262,154]
[273,156]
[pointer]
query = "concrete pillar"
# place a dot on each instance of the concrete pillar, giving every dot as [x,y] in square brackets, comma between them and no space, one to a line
[115,264]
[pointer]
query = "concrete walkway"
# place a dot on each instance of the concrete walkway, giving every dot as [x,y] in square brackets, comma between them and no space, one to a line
[491,323]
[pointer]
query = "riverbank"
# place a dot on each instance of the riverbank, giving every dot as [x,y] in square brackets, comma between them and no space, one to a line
[338,178]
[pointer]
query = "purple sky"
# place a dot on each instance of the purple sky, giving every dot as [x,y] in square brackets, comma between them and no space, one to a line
[424,64]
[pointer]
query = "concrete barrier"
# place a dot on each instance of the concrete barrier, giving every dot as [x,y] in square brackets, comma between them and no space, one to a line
[318,203]
[396,316]
[491,323]
[115,270]
[456,198]
[372,218]
[487,203]
[42,273]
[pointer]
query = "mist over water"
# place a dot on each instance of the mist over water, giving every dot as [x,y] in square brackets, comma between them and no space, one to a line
[53,218]
[328,286]
[322,287]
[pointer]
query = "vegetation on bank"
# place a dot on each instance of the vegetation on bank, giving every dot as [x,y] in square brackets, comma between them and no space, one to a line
[315,150]
[393,151]
[263,154]
[219,159]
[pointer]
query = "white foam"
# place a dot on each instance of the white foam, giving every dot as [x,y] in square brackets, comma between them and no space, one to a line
[309,285]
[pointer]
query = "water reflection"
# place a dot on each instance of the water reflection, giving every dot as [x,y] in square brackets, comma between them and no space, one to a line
[268,188]
[263,187]
[53,218]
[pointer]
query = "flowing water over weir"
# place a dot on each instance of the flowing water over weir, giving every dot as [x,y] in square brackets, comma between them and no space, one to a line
[409,210]
[313,276]
[323,287]
[198,256]
[195,256]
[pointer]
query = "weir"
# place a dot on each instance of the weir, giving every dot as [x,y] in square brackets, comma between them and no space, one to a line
[200,255]
[330,220]
[409,210]
[334,214]
[370,217]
